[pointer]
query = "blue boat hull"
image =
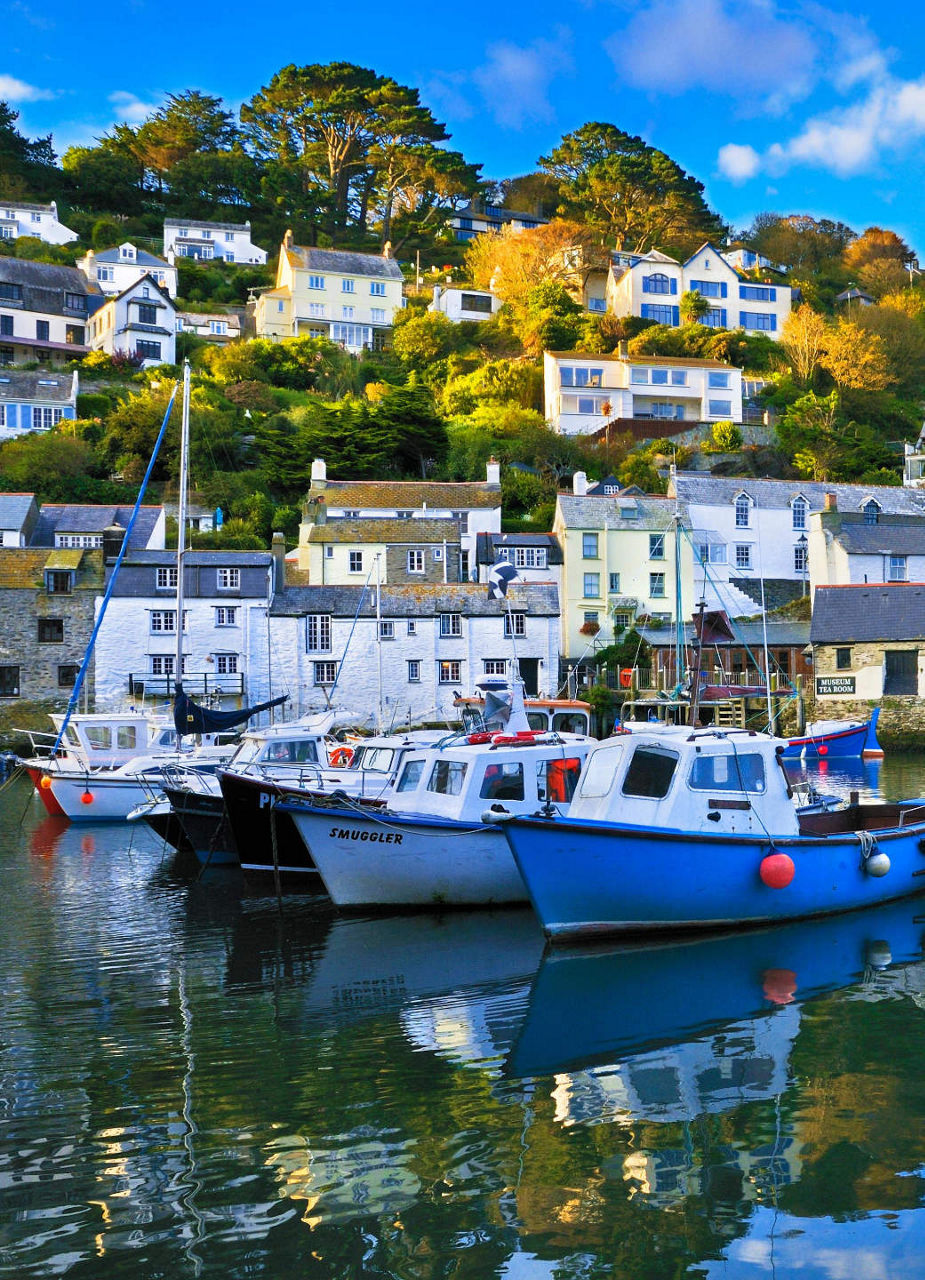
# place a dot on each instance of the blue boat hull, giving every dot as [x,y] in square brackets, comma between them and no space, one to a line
[589,878]
[856,741]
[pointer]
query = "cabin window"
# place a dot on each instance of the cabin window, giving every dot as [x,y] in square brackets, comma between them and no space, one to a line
[99,736]
[503,782]
[598,777]
[127,737]
[376,759]
[410,775]
[728,773]
[446,778]
[556,780]
[650,773]
[569,722]
[291,752]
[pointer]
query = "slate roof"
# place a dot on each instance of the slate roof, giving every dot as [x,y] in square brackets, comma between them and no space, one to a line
[32,208]
[420,600]
[407,495]
[24,568]
[44,285]
[868,612]
[782,634]
[892,535]
[359,531]
[201,222]
[74,518]
[33,386]
[654,514]
[202,559]
[487,545]
[340,262]
[686,362]
[493,213]
[142,258]
[15,509]
[696,487]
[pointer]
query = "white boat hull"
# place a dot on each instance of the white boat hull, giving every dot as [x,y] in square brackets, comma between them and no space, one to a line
[96,798]
[390,860]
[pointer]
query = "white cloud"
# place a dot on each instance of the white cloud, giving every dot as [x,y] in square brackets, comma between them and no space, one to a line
[515,80]
[130,108]
[447,91]
[738,163]
[13,90]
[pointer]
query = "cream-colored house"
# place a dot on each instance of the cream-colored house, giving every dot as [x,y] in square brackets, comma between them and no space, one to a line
[619,563]
[350,298]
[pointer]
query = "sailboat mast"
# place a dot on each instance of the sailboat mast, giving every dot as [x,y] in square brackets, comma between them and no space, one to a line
[379,641]
[181,523]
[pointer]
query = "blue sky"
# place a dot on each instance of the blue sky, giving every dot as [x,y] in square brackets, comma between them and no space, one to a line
[796,108]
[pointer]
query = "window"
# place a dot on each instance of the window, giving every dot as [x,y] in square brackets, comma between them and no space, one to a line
[592,616]
[355,561]
[9,682]
[515,624]
[494,666]
[6,326]
[410,775]
[446,778]
[148,350]
[218,326]
[75,302]
[842,659]
[377,288]
[316,282]
[656,546]
[42,330]
[319,633]
[650,773]
[437,554]
[415,561]
[347,313]
[11,292]
[659,377]
[656,584]
[451,624]
[589,542]
[162,664]
[164,620]
[800,558]
[591,586]
[45,419]
[898,570]
[226,664]
[414,671]
[758,320]
[719,408]
[182,232]
[377,315]
[146,313]
[166,579]
[386,630]
[622,619]
[661,315]
[502,781]
[718,380]
[67,675]
[739,772]
[756,293]
[613,582]
[601,770]
[658,283]
[317,310]
[799,508]
[51,630]
[225,617]
[104,274]
[556,780]
[571,377]
[325,672]
[743,555]
[743,509]
[229,579]
[449,672]
[348,286]
[229,236]
[403,515]
[59,582]
[412,627]
[871,512]
[207,235]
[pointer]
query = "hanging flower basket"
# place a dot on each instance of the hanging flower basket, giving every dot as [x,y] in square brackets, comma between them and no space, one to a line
[589,628]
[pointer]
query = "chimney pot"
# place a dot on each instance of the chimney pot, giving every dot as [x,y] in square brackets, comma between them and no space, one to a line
[831,502]
[580,484]
[319,473]
[278,550]
[493,473]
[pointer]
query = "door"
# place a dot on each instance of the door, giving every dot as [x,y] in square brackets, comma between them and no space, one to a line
[902,671]
[530,674]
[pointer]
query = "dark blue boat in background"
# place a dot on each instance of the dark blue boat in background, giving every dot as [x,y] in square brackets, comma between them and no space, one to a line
[837,740]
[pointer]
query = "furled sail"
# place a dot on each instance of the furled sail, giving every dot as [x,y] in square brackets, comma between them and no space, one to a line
[190,717]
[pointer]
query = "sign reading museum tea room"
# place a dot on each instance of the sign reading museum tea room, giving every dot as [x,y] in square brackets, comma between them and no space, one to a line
[839,686]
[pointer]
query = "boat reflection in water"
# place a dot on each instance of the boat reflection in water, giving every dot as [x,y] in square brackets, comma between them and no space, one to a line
[673,1031]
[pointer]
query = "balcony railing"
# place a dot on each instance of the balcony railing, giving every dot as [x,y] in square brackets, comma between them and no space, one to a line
[198,684]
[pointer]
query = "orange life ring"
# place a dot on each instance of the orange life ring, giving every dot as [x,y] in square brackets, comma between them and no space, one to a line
[340,757]
[626,678]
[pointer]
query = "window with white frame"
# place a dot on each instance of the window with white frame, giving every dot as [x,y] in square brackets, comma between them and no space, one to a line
[414,671]
[494,666]
[348,313]
[386,630]
[318,633]
[515,624]
[166,579]
[44,419]
[743,510]
[451,624]
[800,558]
[577,377]
[719,408]
[743,555]
[163,620]
[412,627]
[591,616]
[225,617]
[719,381]
[348,286]
[164,664]
[226,664]
[377,288]
[449,672]
[415,561]
[229,579]
[218,326]
[377,315]
[527,557]
[316,282]
[799,508]
[898,569]
[871,512]
[591,585]
[325,672]
[355,561]
[613,582]
[317,310]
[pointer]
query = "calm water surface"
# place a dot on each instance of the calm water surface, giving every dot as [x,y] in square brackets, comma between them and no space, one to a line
[193,1083]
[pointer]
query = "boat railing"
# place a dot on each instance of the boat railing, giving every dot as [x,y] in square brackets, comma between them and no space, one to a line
[911,815]
[41,744]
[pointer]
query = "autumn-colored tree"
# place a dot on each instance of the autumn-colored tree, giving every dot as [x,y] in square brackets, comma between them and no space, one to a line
[876,243]
[802,244]
[512,263]
[903,338]
[803,339]
[856,357]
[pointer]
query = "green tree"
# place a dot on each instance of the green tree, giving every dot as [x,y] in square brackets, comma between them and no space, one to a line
[27,167]
[105,178]
[421,340]
[693,306]
[187,123]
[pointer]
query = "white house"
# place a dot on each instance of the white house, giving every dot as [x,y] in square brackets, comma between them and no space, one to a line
[19,513]
[431,642]
[476,219]
[464,304]
[350,298]
[142,319]
[584,392]
[214,326]
[115,269]
[40,220]
[537,557]
[35,400]
[230,241]
[848,547]
[746,531]
[44,311]
[651,285]
[748,260]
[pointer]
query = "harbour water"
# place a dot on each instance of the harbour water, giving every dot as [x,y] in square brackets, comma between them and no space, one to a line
[198,1081]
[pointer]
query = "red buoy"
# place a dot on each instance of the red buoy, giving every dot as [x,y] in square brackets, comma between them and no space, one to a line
[823,750]
[779,985]
[777,870]
[87,797]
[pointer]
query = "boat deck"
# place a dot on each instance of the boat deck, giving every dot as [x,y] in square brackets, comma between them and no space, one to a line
[862,817]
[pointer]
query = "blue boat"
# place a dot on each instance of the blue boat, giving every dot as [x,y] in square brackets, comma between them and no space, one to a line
[837,740]
[677,829]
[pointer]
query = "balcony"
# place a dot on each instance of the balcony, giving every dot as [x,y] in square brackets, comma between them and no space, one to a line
[198,684]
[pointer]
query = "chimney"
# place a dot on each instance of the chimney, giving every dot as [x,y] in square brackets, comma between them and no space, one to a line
[831,502]
[90,264]
[387,249]
[493,473]
[623,350]
[278,551]
[113,537]
[287,240]
[319,474]
[580,484]
[75,387]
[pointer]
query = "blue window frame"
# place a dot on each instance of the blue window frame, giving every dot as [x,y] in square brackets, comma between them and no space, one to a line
[718,380]
[660,314]
[316,282]
[758,320]
[658,282]
[709,288]
[715,318]
[757,293]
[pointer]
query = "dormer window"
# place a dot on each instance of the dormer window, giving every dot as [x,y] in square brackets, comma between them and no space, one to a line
[743,509]
[871,512]
[799,508]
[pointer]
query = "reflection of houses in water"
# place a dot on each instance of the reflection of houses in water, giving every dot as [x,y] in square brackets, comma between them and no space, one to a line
[365,1176]
[470,1028]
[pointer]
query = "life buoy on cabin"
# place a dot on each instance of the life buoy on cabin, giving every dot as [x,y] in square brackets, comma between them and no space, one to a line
[341,756]
[479,739]
[626,678]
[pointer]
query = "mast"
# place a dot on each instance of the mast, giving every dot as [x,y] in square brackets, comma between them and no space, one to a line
[379,640]
[181,526]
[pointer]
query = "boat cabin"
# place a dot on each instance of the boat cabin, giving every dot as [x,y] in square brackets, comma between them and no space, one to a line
[95,740]
[553,715]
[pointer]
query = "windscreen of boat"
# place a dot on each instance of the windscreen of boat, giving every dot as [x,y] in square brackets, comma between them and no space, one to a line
[410,775]
[556,780]
[503,781]
[99,736]
[72,736]
[127,737]
[446,778]
[375,759]
[731,772]
[537,720]
[246,753]
[650,773]
[602,765]
[166,738]
[570,722]
[290,751]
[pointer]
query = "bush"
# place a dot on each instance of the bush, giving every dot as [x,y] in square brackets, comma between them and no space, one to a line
[725,437]
[93,404]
